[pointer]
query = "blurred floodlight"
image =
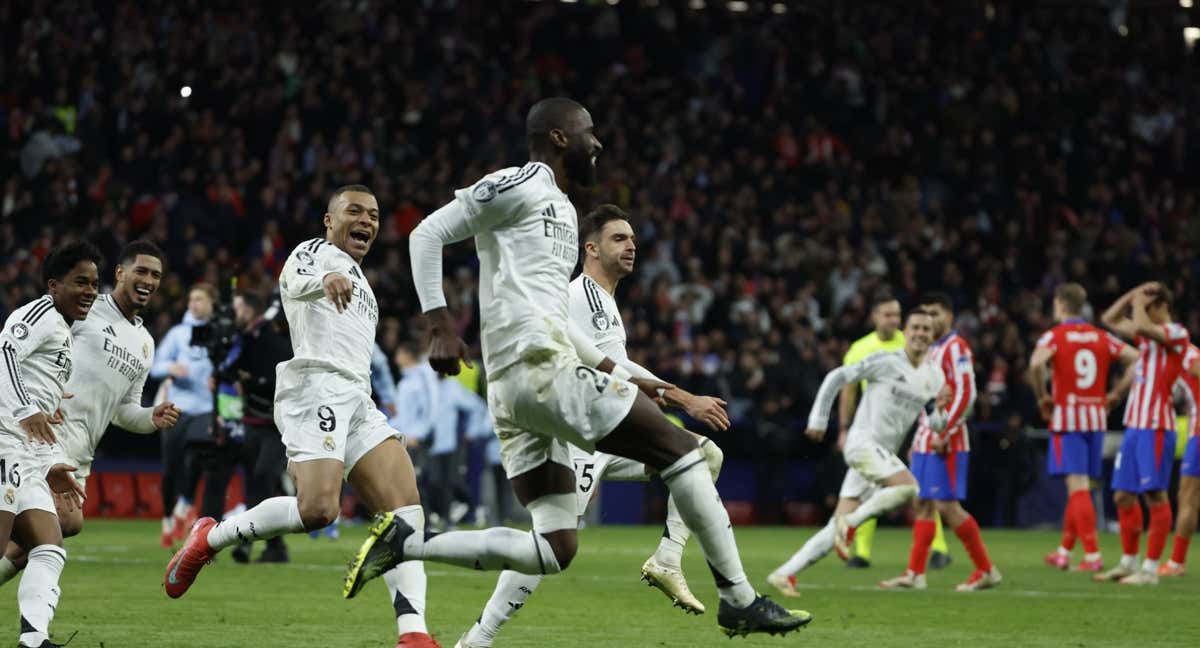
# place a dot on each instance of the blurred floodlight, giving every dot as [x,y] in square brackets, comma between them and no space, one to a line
[1190,36]
[185,92]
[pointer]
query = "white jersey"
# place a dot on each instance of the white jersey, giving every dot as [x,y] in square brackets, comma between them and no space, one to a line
[112,360]
[323,339]
[36,343]
[594,310]
[896,394]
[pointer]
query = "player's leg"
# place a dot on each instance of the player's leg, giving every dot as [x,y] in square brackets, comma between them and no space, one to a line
[173,442]
[1185,524]
[864,537]
[512,591]
[924,511]
[1129,510]
[1156,457]
[267,460]
[939,556]
[1057,457]
[896,487]
[821,542]
[37,526]
[16,557]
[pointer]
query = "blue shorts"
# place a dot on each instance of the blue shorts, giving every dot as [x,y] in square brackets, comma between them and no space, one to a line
[1144,461]
[941,476]
[1191,458]
[1076,453]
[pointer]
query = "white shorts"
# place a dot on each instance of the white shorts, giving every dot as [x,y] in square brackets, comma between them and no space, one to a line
[23,483]
[326,416]
[870,464]
[539,409]
[592,468]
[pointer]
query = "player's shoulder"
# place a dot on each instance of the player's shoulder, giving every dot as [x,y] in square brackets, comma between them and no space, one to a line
[512,181]
[37,313]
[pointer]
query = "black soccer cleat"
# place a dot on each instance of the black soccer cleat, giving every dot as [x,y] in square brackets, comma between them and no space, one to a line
[761,616]
[939,560]
[857,562]
[380,552]
[241,553]
[274,552]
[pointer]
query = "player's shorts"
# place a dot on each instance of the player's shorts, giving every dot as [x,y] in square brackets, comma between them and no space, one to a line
[1076,453]
[326,416]
[592,468]
[943,477]
[1190,467]
[23,483]
[538,409]
[1144,461]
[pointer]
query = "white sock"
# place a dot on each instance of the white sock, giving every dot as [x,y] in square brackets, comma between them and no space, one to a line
[675,537]
[272,517]
[512,590]
[884,500]
[406,582]
[1174,565]
[1129,561]
[1063,551]
[496,548]
[1091,556]
[813,550]
[168,525]
[1150,566]
[701,509]
[7,570]
[182,508]
[38,593]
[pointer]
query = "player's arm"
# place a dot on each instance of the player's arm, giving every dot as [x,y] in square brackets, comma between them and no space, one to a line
[1118,319]
[1121,389]
[818,417]
[23,333]
[849,397]
[592,356]
[167,354]
[309,275]
[131,416]
[964,392]
[1039,370]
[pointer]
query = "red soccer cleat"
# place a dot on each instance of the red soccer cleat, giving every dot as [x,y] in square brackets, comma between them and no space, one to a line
[1058,560]
[1086,565]
[186,563]
[1171,568]
[416,640]
[168,540]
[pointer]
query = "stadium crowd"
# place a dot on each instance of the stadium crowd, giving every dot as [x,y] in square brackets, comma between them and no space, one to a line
[782,169]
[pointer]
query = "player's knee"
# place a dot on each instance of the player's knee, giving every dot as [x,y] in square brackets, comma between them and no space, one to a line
[907,491]
[565,546]
[713,456]
[317,513]
[71,525]
[1123,499]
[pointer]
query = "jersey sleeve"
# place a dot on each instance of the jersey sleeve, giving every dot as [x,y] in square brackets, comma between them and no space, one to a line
[303,276]
[130,414]
[1177,338]
[1114,345]
[1190,358]
[589,314]
[24,332]
[1048,340]
[870,368]
[962,376]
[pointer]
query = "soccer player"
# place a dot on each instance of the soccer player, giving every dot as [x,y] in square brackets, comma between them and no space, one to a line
[940,456]
[1188,496]
[549,387]
[110,362]
[885,317]
[1143,464]
[37,348]
[1081,355]
[609,253]
[325,415]
[901,386]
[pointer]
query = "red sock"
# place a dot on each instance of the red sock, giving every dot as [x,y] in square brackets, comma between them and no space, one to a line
[1085,520]
[1179,552]
[1130,520]
[1070,530]
[1160,528]
[923,532]
[972,539]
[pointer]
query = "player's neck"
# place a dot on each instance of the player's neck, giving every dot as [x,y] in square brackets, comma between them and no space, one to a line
[557,168]
[609,284]
[128,311]
[914,357]
[59,307]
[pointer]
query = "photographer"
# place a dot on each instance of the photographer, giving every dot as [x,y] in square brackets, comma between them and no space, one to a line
[186,369]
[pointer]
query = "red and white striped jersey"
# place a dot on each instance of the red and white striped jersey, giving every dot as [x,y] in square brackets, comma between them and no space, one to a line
[953,356]
[1158,366]
[1082,356]
[1189,385]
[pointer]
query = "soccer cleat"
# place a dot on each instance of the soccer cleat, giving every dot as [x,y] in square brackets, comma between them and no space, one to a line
[980,580]
[191,557]
[416,640]
[939,560]
[1086,565]
[465,640]
[380,552]
[1058,560]
[1140,577]
[183,523]
[761,616]
[168,539]
[785,584]
[274,552]
[842,534]
[858,562]
[1170,568]
[1114,574]
[670,581]
[241,553]
[46,643]
[907,580]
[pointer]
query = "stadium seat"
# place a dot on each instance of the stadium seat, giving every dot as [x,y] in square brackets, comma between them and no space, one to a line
[800,513]
[741,513]
[91,505]
[149,494]
[119,495]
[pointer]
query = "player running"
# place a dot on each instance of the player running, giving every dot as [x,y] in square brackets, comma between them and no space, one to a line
[323,408]
[37,348]
[1143,464]
[1077,410]
[609,253]
[549,387]
[940,457]
[1188,495]
[902,385]
[110,362]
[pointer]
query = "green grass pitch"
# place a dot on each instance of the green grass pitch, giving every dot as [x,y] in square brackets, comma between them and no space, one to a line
[112,595]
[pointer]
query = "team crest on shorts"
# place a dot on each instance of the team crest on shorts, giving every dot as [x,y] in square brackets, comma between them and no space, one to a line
[484,191]
[622,389]
[329,443]
[20,331]
[10,496]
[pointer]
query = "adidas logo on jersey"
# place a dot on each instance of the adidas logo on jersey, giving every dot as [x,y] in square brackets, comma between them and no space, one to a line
[108,330]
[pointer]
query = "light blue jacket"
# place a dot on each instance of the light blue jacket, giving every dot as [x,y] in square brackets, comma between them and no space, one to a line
[189,393]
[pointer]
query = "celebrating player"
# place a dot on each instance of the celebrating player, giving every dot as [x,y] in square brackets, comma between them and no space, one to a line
[325,415]
[608,256]
[901,386]
[548,385]
[111,359]
[940,456]
[1143,464]
[1188,496]
[1076,408]
[37,347]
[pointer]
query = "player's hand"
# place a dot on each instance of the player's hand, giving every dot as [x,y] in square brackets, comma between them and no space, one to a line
[65,486]
[447,352]
[943,397]
[1111,400]
[843,434]
[57,417]
[166,415]
[653,388]
[339,289]
[710,411]
[816,434]
[1046,407]
[178,370]
[940,443]
[37,428]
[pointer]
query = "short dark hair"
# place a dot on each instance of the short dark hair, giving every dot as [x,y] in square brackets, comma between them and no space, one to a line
[602,215]
[546,115]
[253,301]
[1073,296]
[882,297]
[939,298]
[133,249]
[206,288]
[63,258]
[917,312]
[359,188]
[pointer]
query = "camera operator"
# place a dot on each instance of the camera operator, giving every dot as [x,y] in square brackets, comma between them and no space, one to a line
[186,368]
